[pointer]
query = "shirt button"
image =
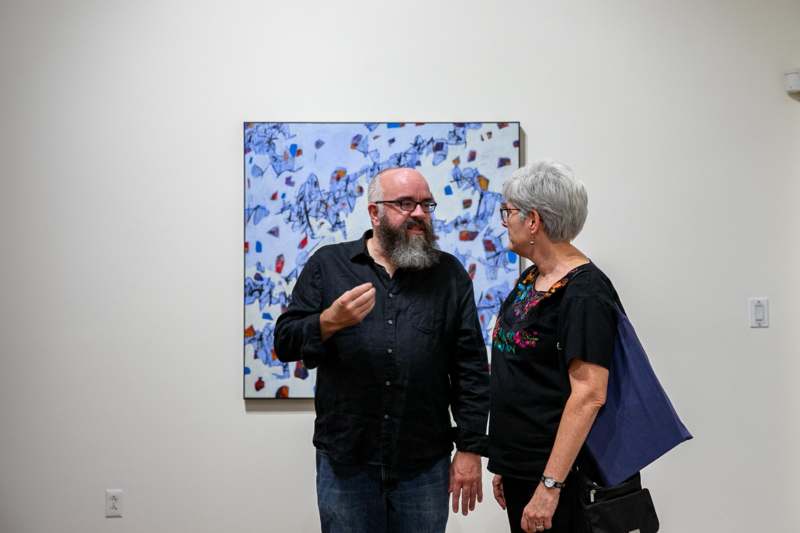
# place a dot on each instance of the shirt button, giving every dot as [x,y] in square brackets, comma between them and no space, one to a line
[388,383]
[386,417]
[389,350]
[389,322]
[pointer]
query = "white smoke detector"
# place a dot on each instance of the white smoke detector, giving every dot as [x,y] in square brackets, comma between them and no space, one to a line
[792,82]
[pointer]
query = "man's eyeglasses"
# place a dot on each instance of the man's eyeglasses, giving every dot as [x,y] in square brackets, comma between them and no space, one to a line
[408,205]
[504,212]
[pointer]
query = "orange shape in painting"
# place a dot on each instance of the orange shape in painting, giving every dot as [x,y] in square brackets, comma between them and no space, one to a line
[483,182]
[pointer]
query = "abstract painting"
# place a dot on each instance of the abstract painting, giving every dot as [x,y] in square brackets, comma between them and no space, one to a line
[305,186]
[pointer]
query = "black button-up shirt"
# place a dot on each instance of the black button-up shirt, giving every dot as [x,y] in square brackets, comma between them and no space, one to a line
[384,386]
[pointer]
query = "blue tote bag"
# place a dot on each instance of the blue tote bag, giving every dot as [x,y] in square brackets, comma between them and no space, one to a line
[638,423]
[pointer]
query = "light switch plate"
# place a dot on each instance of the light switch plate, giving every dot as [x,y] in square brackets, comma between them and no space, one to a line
[758,308]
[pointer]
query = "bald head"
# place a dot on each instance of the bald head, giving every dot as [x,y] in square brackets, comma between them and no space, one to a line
[397,183]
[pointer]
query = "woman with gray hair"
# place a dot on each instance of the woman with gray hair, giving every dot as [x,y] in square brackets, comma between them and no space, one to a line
[551,350]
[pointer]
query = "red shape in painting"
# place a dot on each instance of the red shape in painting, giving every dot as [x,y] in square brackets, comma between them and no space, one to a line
[304,242]
[259,384]
[465,235]
[279,262]
[300,370]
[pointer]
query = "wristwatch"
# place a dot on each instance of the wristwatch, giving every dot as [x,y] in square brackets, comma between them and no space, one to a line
[551,483]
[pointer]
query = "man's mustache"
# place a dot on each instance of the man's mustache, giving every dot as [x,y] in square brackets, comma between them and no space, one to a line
[416,224]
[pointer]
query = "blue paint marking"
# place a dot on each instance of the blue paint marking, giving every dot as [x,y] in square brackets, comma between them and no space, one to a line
[256,171]
[394,125]
[247,371]
[258,247]
[512,257]
[448,190]
[266,316]
[293,150]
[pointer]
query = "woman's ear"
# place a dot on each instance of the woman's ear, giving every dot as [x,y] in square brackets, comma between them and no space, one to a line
[534,221]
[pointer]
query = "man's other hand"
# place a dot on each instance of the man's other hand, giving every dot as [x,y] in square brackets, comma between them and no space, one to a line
[465,481]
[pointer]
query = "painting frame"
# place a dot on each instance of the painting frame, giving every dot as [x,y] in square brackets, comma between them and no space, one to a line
[428,154]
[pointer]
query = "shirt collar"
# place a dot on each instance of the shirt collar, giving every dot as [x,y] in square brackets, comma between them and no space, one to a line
[359,248]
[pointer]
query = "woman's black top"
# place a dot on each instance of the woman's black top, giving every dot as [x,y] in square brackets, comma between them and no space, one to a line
[535,337]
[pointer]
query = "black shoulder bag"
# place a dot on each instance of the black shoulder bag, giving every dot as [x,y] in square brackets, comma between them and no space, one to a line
[622,508]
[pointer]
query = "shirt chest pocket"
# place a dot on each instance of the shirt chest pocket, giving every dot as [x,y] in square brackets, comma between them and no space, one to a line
[428,325]
[427,329]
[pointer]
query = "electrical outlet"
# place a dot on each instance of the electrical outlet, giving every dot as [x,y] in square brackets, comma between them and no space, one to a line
[114,503]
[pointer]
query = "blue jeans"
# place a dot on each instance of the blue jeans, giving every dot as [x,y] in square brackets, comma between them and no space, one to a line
[371,499]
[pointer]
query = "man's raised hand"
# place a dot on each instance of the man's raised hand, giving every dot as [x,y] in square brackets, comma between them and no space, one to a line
[348,309]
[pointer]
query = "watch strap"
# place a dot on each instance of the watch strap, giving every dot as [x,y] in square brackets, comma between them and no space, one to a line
[552,483]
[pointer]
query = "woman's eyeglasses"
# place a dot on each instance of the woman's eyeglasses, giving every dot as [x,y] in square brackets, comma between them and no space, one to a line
[504,212]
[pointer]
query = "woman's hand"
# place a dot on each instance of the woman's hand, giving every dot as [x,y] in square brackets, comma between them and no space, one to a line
[538,514]
[497,488]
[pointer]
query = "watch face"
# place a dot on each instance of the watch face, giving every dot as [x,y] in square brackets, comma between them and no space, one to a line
[549,483]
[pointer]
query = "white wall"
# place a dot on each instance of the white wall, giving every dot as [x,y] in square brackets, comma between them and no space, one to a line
[121,223]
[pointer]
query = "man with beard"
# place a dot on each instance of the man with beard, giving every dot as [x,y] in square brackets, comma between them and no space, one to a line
[390,324]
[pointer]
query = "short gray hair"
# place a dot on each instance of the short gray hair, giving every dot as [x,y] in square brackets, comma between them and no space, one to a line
[374,189]
[549,188]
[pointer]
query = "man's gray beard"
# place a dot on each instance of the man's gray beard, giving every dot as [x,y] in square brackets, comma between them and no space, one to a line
[414,252]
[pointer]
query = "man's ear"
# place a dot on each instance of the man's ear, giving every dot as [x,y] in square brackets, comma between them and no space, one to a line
[372,209]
